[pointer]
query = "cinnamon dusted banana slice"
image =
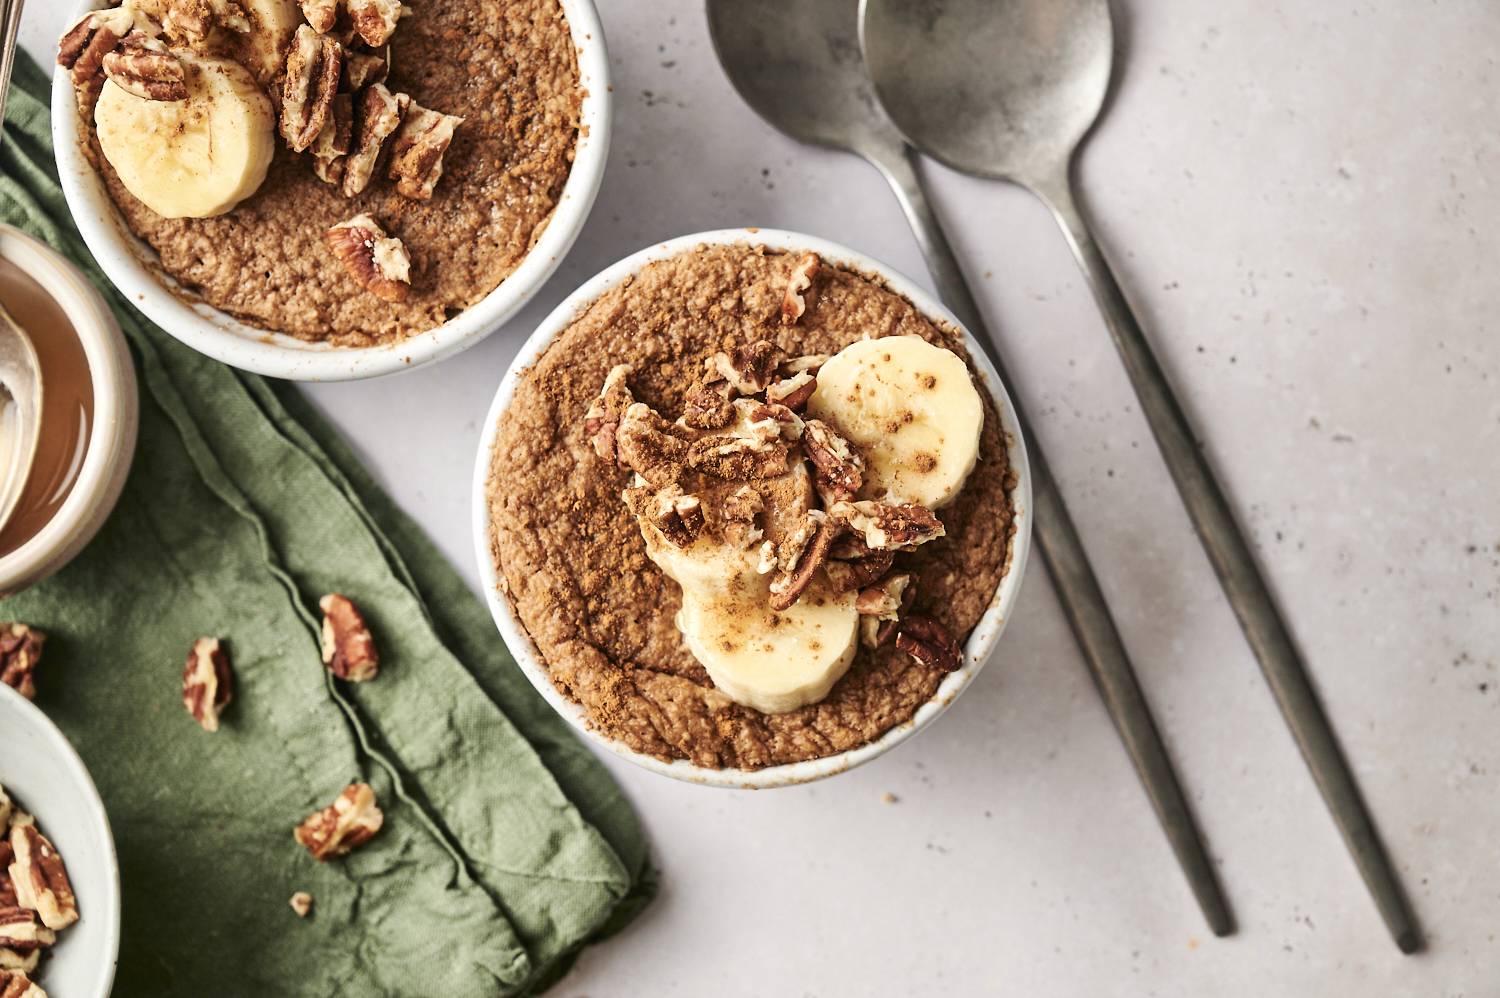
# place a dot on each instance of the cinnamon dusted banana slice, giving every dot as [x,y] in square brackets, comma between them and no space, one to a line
[912,412]
[192,158]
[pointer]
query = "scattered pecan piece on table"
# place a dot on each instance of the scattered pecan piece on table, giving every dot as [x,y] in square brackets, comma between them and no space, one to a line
[604,413]
[313,69]
[142,66]
[377,115]
[302,903]
[207,682]
[377,261]
[837,466]
[417,150]
[347,823]
[793,304]
[40,879]
[20,653]
[889,527]
[348,650]
[927,641]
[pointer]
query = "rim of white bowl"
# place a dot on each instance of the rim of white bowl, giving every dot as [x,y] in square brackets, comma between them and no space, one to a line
[133,268]
[109,911]
[111,443]
[981,641]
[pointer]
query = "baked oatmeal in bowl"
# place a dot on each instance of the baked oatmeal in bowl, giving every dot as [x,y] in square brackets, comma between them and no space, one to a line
[751,508]
[330,189]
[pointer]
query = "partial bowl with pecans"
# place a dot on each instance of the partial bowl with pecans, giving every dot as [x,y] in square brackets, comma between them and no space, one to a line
[751,508]
[330,189]
[59,878]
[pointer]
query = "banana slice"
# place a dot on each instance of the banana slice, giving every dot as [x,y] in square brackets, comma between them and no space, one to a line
[772,662]
[912,410]
[257,33]
[194,158]
[263,48]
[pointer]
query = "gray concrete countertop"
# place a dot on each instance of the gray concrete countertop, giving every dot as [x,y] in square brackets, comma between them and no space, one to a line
[1300,199]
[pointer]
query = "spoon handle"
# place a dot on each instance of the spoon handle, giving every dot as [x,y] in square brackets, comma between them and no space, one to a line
[10,23]
[1239,575]
[1077,587]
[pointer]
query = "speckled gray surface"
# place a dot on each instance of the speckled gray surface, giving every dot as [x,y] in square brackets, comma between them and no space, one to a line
[1300,198]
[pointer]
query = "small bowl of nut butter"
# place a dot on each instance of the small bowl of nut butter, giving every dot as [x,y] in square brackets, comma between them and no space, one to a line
[86,416]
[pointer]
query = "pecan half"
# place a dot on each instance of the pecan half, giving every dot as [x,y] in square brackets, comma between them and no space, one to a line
[40,879]
[20,653]
[604,413]
[418,149]
[320,14]
[890,527]
[22,932]
[378,262]
[927,641]
[793,392]
[302,903]
[15,960]
[799,556]
[142,66]
[313,69]
[376,119]
[89,40]
[364,68]
[15,984]
[347,823]
[335,140]
[207,682]
[738,514]
[375,20]
[749,369]
[191,21]
[850,573]
[650,446]
[348,649]
[837,466]
[793,305]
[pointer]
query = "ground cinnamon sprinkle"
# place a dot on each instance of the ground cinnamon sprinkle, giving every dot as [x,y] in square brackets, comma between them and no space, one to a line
[572,557]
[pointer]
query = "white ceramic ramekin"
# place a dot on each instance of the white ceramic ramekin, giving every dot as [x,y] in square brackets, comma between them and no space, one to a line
[980,643]
[111,445]
[133,267]
[42,773]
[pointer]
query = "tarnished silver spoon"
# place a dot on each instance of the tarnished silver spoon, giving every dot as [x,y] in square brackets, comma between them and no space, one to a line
[799,65]
[1008,89]
[20,371]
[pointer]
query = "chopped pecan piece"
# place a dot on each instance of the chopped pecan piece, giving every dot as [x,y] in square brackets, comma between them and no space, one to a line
[90,39]
[302,903]
[374,20]
[708,404]
[40,879]
[321,14]
[207,682]
[376,119]
[6,808]
[142,66]
[890,527]
[650,446]
[20,653]
[793,305]
[788,424]
[347,823]
[335,140]
[739,512]
[15,984]
[883,599]
[875,631]
[15,960]
[852,565]
[348,649]
[22,932]
[676,516]
[749,369]
[794,391]
[927,641]
[378,262]
[364,68]
[799,556]
[810,363]
[604,413]
[740,458]
[191,21]
[838,468]
[313,68]
[418,148]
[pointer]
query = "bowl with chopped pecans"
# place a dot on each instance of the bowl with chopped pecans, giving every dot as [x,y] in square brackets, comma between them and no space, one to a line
[751,508]
[59,879]
[330,189]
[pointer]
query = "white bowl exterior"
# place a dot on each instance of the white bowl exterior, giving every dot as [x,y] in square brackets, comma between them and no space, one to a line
[111,444]
[43,774]
[981,641]
[131,265]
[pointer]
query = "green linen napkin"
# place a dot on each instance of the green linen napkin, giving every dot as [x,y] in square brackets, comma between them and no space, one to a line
[506,845]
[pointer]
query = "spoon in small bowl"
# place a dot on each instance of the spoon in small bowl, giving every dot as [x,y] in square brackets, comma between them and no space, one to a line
[20,370]
[1008,89]
[798,64]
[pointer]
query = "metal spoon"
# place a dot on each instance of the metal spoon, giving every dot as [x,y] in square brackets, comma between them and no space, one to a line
[20,371]
[798,65]
[1007,89]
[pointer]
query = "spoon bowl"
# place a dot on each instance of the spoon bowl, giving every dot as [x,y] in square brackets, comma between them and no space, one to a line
[20,412]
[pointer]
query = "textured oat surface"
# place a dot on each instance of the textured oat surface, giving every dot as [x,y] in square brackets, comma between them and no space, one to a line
[573,558]
[511,71]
